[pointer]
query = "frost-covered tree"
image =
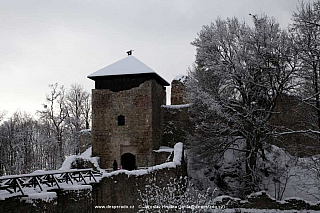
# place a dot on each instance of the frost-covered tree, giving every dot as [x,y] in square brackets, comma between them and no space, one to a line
[239,73]
[306,30]
[20,145]
[313,166]
[177,195]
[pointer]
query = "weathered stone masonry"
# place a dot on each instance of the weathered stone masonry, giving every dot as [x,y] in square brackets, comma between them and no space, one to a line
[123,189]
[142,130]
[66,201]
[126,113]
[178,92]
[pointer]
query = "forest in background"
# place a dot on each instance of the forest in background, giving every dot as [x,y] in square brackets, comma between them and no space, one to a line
[30,143]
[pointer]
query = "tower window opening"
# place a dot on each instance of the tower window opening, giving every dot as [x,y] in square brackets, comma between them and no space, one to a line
[121,120]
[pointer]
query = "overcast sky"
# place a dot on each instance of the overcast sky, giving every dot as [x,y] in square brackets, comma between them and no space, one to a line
[48,41]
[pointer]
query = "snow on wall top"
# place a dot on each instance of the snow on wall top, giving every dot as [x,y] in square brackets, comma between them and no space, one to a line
[180,106]
[164,149]
[177,158]
[85,131]
[126,66]
[44,196]
[182,78]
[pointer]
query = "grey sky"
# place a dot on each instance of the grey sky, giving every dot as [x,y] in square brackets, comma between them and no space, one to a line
[63,41]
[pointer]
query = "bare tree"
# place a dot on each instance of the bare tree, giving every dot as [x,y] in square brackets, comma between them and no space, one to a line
[87,111]
[27,144]
[2,115]
[55,114]
[77,100]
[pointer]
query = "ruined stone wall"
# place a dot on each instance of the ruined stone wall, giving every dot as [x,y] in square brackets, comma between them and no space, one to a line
[124,190]
[140,106]
[292,114]
[161,157]
[176,116]
[66,201]
[178,93]
[158,99]
[176,124]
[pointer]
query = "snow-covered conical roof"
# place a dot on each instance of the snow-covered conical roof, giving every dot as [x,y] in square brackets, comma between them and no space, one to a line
[126,66]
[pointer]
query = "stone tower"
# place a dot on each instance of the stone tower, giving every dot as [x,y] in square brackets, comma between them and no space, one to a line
[126,113]
[178,90]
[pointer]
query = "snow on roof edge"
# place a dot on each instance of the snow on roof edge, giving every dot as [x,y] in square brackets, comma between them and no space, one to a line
[129,65]
[122,67]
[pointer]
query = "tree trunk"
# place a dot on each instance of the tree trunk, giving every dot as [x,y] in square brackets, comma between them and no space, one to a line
[316,84]
[251,162]
[60,147]
[87,124]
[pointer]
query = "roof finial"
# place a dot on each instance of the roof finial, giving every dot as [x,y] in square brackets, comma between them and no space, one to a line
[129,52]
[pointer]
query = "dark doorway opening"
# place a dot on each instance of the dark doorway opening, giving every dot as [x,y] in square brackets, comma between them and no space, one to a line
[121,120]
[128,161]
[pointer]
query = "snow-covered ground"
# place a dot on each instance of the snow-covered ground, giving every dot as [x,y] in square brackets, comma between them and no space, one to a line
[36,193]
[297,177]
[282,175]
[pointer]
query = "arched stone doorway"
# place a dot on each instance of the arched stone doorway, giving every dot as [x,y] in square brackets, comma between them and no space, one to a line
[128,161]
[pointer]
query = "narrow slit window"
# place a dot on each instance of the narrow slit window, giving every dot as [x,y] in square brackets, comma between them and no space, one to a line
[121,120]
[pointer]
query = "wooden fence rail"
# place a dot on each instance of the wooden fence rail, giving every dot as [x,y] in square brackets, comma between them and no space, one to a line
[16,183]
